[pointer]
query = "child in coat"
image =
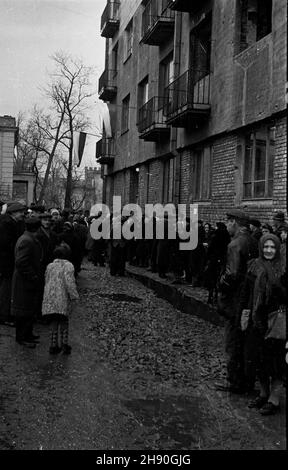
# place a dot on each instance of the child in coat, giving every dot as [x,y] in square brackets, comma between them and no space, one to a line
[60,289]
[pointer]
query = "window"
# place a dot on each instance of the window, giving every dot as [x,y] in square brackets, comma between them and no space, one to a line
[115,60]
[143,90]
[200,48]
[128,40]
[125,114]
[165,73]
[256,21]
[168,180]
[258,164]
[201,174]
[134,186]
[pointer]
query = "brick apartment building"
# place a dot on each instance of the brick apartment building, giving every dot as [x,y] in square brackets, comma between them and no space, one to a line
[196,91]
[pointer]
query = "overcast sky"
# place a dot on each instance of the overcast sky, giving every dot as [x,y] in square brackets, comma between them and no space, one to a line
[32,30]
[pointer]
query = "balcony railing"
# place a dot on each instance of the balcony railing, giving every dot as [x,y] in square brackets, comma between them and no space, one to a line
[151,120]
[110,19]
[185,5]
[107,88]
[157,22]
[105,151]
[187,98]
[23,167]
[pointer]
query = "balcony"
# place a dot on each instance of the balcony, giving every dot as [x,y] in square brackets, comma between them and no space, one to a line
[107,88]
[110,19]
[187,99]
[151,120]
[190,6]
[157,22]
[105,151]
[21,166]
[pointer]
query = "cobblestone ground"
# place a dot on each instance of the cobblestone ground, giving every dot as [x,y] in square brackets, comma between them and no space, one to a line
[141,376]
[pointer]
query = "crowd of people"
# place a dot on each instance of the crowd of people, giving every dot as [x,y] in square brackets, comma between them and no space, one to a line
[40,256]
[241,263]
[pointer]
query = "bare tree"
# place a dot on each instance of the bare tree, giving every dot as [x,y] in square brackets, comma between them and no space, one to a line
[70,92]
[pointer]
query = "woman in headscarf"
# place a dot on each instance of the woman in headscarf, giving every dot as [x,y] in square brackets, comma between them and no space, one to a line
[264,292]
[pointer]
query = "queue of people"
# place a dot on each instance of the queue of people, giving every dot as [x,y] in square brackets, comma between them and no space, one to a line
[242,264]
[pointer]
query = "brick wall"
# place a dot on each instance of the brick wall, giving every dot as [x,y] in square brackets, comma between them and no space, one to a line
[226,180]
[155,182]
[280,167]
[185,176]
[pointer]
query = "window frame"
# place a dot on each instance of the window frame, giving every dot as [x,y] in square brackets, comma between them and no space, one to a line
[251,136]
[128,40]
[246,14]
[201,167]
[125,115]
[168,180]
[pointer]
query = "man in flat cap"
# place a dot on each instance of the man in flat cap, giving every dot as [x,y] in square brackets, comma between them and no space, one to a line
[240,250]
[278,223]
[256,231]
[10,230]
[26,282]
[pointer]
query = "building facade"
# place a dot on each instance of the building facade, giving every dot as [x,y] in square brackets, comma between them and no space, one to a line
[8,133]
[17,177]
[196,92]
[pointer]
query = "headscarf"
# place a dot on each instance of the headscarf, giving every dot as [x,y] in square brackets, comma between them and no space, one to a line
[267,272]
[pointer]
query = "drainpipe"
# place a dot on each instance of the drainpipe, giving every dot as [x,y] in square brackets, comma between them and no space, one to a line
[174,130]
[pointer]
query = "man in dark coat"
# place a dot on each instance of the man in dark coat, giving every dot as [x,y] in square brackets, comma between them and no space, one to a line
[216,259]
[118,249]
[70,237]
[278,223]
[240,250]
[26,282]
[48,242]
[255,227]
[9,233]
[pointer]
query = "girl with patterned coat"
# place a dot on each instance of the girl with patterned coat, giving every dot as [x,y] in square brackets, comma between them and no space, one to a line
[60,289]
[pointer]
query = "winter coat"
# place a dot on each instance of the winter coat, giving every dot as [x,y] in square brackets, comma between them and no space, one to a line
[60,288]
[265,288]
[216,257]
[26,282]
[9,233]
[48,244]
[240,250]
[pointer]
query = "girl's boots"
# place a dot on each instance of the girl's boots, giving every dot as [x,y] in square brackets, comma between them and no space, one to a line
[54,348]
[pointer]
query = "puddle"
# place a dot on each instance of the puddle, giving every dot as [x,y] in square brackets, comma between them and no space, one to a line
[173,421]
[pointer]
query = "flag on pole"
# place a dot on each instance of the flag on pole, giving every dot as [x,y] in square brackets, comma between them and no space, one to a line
[78,146]
[103,117]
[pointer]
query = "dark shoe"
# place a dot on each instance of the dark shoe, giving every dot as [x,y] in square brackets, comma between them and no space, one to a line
[27,344]
[269,409]
[163,276]
[54,350]
[230,388]
[258,402]
[66,349]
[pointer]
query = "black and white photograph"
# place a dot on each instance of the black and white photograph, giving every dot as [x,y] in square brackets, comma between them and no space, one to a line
[143,228]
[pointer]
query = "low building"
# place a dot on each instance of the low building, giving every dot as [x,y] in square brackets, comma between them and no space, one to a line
[8,140]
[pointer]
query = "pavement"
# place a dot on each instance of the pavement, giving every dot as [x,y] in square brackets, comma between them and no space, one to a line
[140,377]
[181,295]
